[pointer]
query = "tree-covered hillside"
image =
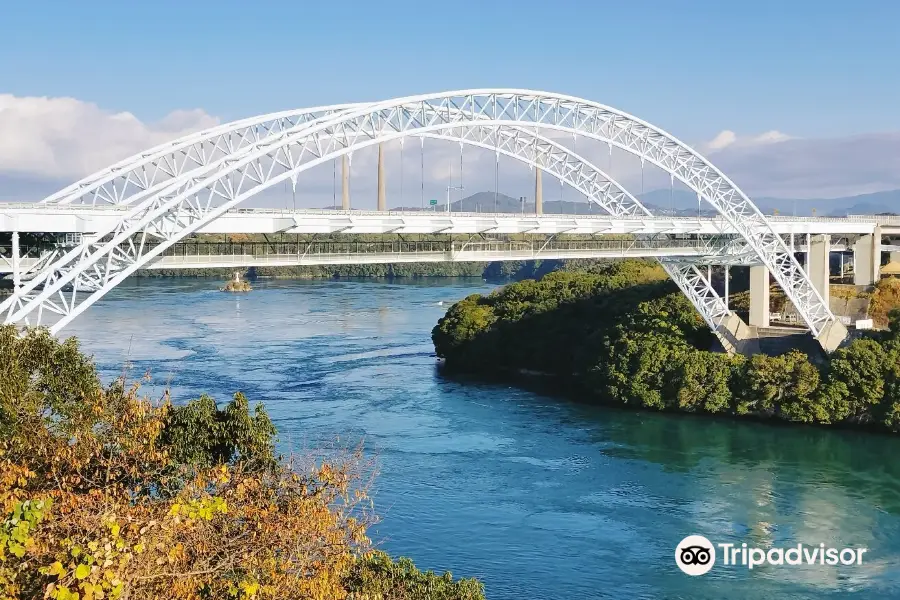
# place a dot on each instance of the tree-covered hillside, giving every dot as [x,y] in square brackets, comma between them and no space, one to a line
[623,334]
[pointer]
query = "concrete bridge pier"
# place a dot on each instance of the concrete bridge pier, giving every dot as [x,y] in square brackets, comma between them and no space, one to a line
[867,258]
[818,266]
[538,192]
[382,203]
[737,337]
[345,183]
[759,296]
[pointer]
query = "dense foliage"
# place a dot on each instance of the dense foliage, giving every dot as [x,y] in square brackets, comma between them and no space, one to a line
[884,298]
[376,576]
[104,494]
[625,335]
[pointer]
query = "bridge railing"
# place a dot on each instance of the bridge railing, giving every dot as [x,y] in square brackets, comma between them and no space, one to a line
[418,247]
[287,212]
[538,245]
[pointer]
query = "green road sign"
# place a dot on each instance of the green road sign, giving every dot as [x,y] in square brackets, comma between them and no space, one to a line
[432,202]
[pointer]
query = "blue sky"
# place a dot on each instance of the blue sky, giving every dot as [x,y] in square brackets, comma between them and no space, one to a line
[812,69]
[791,98]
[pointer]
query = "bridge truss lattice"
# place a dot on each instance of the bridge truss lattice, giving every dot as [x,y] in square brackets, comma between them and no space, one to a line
[176,188]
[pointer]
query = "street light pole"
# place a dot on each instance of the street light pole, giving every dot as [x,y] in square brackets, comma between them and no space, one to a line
[451,187]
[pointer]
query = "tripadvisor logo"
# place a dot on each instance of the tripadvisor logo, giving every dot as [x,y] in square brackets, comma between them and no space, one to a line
[696,555]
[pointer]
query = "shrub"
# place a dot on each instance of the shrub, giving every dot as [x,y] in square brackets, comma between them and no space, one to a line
[377,576]
[885,298]
[104,494]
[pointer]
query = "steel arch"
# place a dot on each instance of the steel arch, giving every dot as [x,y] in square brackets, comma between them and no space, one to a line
[150,168]
[154,169]
[177,156]
[558,161]
[629,133]
[572,169]
[393,119]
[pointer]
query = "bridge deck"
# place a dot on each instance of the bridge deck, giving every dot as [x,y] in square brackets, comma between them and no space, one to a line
[258,254]
[40,218]
[205,255]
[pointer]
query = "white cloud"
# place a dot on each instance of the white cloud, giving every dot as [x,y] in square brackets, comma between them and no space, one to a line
[813,167]
[771,137]
[729,139]
[68,138]
[723,140]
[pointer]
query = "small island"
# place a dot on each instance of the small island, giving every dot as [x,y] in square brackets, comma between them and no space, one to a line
[621,333]
[236,285]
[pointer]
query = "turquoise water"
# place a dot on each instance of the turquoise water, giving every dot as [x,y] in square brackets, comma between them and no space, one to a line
[539,497]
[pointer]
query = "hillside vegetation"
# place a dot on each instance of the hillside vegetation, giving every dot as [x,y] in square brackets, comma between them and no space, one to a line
[106,495]
[623,334]
[884,299]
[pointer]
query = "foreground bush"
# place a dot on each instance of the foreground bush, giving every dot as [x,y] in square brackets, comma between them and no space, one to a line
[104,494]
[378,577]
[624,335]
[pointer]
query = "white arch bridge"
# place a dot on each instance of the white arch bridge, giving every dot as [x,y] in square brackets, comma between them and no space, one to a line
[165,194]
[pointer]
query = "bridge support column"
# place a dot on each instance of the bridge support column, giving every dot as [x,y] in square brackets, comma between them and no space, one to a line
[759,296]
[16,268]
[382,204]
[867,258]
[727,283]
[538,192]
[345,183]
[818,267]
[738,337]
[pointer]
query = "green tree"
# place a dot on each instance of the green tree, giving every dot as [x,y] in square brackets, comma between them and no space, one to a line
[201,433]
[464,321]
[40,376]
[639,369]
[856,380]
[377,576]
[781,386]
[704,380]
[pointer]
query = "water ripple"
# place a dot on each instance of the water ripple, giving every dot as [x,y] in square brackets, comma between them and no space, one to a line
[539,497]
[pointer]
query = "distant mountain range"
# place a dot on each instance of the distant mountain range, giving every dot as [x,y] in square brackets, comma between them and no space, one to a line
[683,203]
[661,202]
[489,202]
[23,188]
[481,202]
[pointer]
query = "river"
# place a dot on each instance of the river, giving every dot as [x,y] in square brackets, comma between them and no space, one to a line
[537,496]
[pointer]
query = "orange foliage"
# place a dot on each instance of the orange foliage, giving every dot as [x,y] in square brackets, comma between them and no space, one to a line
[93,507]
[885,298]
